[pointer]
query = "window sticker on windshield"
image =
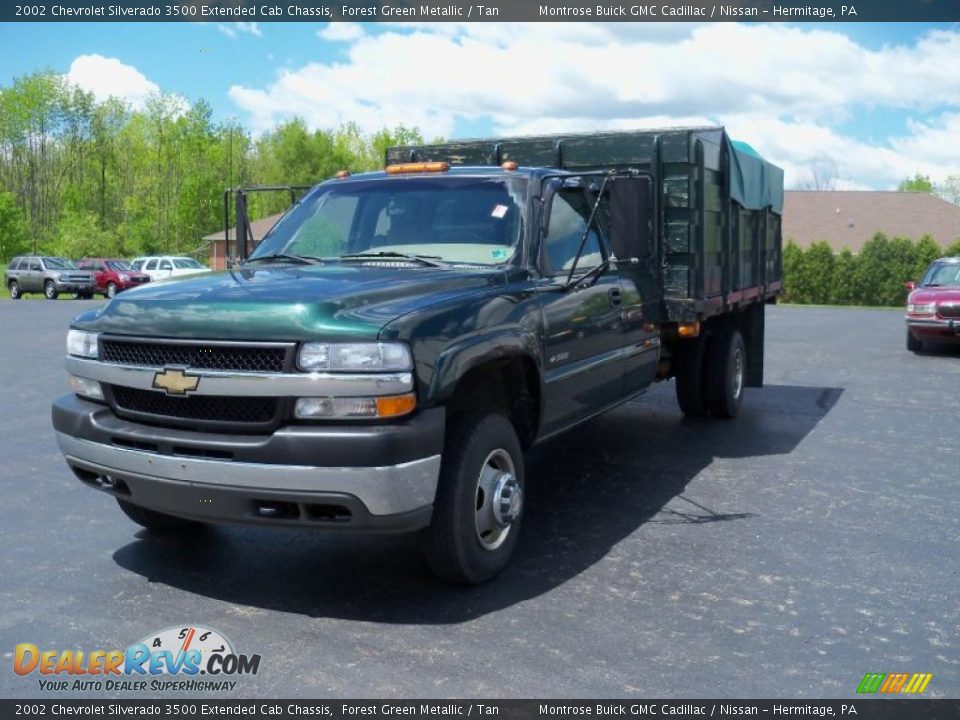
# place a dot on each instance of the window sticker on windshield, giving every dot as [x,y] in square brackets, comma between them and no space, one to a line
[499,211]
[498,253]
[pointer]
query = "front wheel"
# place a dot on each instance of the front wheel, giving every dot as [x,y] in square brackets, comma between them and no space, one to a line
[151,519]
[50,290]
[479,506]
[111,290]
[15,290]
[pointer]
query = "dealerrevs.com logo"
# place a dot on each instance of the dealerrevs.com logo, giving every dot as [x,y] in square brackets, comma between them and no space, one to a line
[170,660]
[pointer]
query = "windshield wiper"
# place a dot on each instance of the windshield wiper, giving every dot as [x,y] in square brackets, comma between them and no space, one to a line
[301,259]
[429,260]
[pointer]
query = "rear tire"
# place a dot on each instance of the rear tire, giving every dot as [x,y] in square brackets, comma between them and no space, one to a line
[726,372]
[15,290]
[913,344]
[50,290]
[691,389]
[151,519]
[479,505]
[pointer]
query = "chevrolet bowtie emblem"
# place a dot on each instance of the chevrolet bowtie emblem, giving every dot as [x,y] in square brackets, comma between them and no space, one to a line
[175,382]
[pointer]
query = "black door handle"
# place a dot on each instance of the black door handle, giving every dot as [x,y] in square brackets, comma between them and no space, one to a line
[615,295]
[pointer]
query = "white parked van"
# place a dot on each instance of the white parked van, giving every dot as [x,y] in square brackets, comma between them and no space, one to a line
[164,267]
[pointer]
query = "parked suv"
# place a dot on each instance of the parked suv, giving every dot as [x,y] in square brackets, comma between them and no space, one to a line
[112,275]
[49,275]
[164,267]
[933,306]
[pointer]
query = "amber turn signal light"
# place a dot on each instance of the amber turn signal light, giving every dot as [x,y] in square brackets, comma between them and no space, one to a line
[394,405]
[417,167]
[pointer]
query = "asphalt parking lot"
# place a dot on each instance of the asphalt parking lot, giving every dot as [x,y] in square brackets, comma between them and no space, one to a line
[783,554]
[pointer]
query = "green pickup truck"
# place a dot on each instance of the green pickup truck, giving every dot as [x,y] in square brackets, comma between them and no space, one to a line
[386,354]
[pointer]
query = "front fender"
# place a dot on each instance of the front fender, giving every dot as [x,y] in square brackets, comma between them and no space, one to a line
[469,353]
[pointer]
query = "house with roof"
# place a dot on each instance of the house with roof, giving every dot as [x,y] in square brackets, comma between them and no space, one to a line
[849,218]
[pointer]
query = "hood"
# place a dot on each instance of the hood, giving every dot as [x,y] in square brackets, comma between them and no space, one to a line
[282,302]
[948,294]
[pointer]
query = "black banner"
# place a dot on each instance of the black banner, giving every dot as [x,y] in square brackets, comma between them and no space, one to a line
[867,709]
[485,11]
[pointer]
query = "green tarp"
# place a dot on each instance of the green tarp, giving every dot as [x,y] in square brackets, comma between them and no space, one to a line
[754,183]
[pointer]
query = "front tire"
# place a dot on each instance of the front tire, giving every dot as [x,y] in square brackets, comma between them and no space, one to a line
[913,344]
[479,505]
[15,290]
[111,290]
[726,372]
[151,519]
[50,290]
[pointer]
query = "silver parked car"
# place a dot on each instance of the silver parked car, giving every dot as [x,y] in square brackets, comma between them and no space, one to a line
[48,275]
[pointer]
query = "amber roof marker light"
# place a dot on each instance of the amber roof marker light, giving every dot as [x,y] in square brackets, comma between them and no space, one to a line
[509,165]
[417,167]
[341,174]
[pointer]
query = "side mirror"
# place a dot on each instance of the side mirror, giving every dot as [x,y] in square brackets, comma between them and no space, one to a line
[631,218]
[549,192]
[910,285]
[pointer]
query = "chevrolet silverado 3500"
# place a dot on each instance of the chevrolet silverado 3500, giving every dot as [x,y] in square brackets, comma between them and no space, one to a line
[384,357]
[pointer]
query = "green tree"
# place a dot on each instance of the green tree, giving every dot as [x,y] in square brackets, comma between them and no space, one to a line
[918,183]
[13,230]
[844,268]
[792,270]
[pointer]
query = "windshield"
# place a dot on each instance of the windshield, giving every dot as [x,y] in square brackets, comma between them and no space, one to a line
[185,263]
[119,265]
[57,263]
[456,219]
[943,274]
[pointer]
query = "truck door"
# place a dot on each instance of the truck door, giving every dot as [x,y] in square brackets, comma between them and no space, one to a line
[634,238]
[583,336]
[33,277]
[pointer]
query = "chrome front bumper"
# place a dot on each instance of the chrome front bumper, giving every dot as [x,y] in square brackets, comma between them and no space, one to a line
[383,490]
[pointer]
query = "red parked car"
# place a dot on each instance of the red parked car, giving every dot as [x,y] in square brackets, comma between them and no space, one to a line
[111,275]
[933,306]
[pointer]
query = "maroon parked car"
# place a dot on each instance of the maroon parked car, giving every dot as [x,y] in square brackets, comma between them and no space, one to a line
[933,306]
[111,275]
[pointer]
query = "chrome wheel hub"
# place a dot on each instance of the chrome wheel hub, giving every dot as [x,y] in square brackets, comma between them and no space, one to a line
[499,500]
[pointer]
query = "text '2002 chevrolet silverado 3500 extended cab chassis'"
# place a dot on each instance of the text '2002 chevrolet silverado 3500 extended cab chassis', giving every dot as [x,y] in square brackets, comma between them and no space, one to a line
[384,357]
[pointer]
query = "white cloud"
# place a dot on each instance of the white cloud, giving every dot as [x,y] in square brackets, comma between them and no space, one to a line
[341,32]
[108,77]
[781,87]
[235,29]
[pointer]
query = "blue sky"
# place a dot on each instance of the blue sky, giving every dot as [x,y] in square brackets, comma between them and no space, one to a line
[872,102]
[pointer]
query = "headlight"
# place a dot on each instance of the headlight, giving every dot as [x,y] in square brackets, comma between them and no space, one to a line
[83,344]
[124,277]
[86,388]
[334,408]
[922,308]
[360,357]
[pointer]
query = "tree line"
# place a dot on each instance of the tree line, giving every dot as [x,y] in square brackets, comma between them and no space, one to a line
[82,177]
[874,276]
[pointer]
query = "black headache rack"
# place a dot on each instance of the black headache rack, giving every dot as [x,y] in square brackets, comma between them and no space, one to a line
[719,204]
